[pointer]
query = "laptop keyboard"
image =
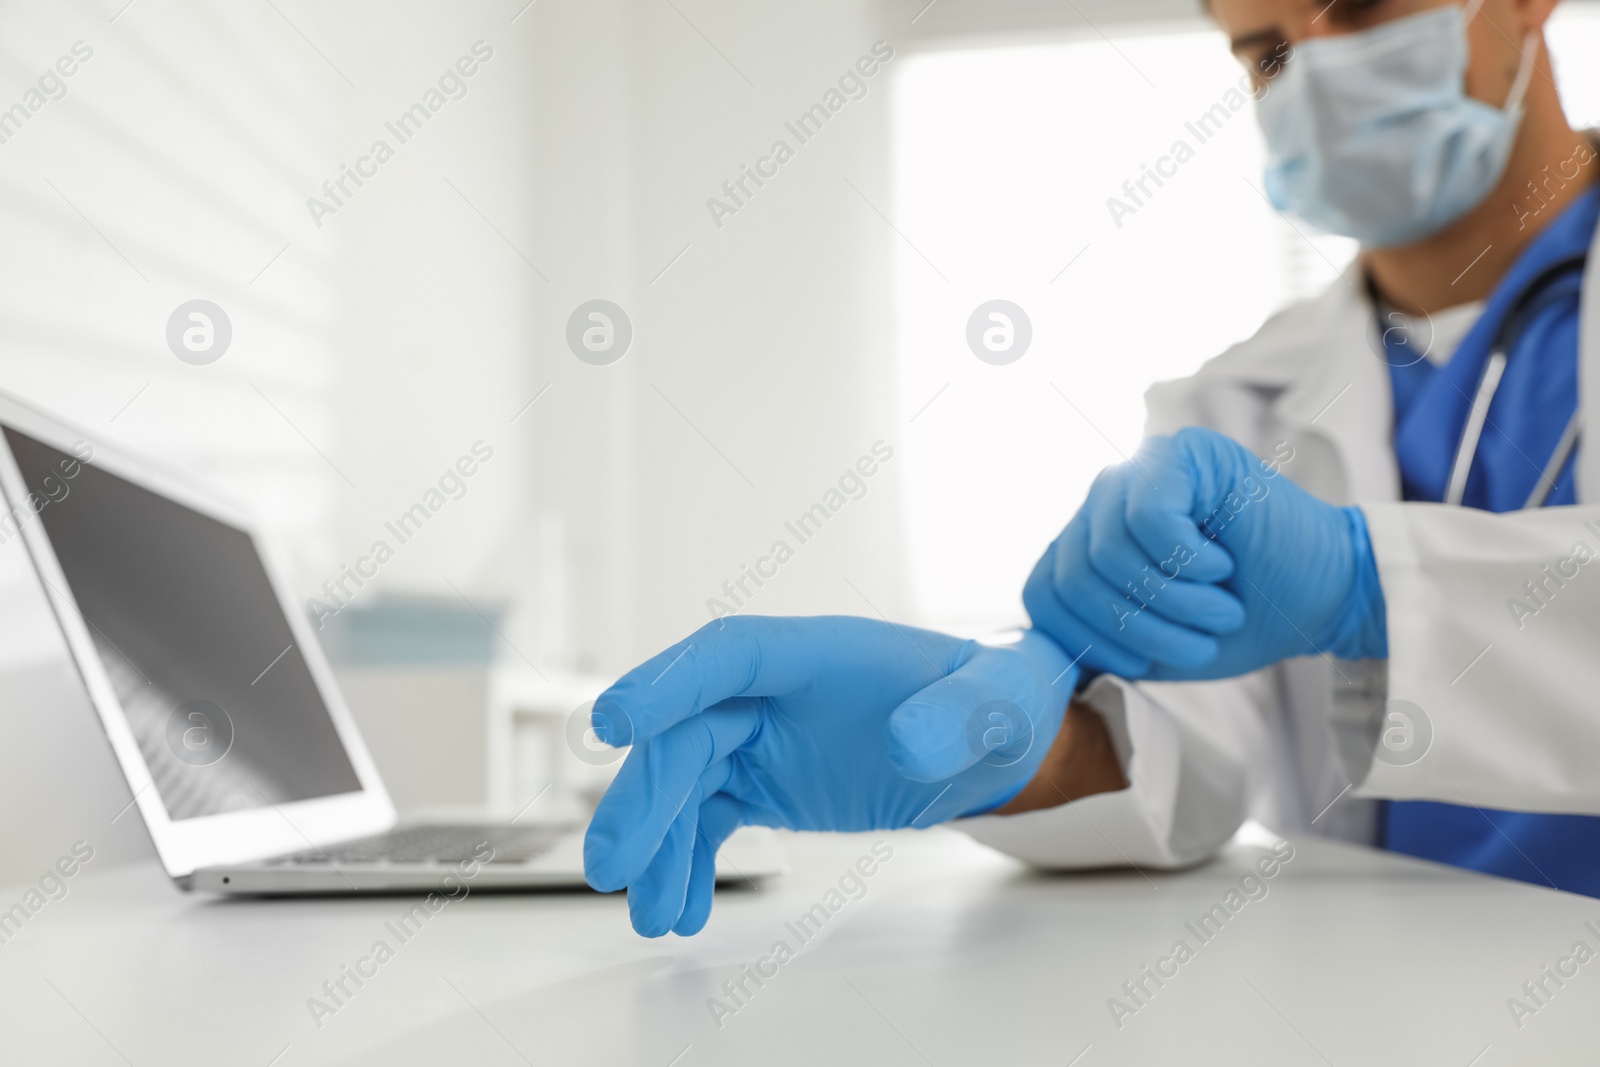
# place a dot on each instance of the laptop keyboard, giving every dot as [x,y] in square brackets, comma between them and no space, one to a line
[433,844]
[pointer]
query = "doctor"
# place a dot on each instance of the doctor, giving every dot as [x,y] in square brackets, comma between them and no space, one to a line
[1399,599]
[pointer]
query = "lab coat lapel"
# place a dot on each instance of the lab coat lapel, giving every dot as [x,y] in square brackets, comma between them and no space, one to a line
[1342,395]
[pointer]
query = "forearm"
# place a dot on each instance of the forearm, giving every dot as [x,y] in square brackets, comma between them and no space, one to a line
[1082,761]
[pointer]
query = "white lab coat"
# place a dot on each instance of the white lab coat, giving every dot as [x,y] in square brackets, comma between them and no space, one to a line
[1513,697]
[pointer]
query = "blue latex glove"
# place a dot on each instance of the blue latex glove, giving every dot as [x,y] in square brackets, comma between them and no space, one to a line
[811,724]
[1198,560]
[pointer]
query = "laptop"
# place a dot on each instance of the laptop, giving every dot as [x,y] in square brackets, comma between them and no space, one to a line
[219,705]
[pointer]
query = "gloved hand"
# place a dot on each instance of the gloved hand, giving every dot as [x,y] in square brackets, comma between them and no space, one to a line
[810,724]
[1198,560]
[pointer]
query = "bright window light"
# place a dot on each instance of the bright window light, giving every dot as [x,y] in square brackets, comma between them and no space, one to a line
[1006,161]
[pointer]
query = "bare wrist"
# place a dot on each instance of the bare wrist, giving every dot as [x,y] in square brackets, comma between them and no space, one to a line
[1082,761]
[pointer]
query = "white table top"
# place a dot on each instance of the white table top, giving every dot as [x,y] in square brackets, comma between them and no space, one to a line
[954,955]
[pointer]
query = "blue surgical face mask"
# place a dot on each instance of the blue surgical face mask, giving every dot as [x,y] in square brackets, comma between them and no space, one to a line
[1373,136]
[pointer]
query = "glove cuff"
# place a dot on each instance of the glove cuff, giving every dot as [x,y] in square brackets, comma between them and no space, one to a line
[1363,629]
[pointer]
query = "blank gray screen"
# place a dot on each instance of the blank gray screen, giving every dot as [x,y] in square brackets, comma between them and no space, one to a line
[196,645]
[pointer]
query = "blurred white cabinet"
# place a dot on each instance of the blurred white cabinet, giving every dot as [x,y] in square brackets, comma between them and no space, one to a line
[453,725]
[475,736]
[544,758]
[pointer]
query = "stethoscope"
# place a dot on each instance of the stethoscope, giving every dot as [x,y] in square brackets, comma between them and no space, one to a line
[1528,304]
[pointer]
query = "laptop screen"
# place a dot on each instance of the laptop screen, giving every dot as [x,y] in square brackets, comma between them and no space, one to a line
[219,699]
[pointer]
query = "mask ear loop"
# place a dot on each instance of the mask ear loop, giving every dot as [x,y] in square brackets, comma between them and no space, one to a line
[1519,85]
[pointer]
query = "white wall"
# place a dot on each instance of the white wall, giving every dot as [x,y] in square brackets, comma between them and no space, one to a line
[383,339]
[760,367]
[378,347]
